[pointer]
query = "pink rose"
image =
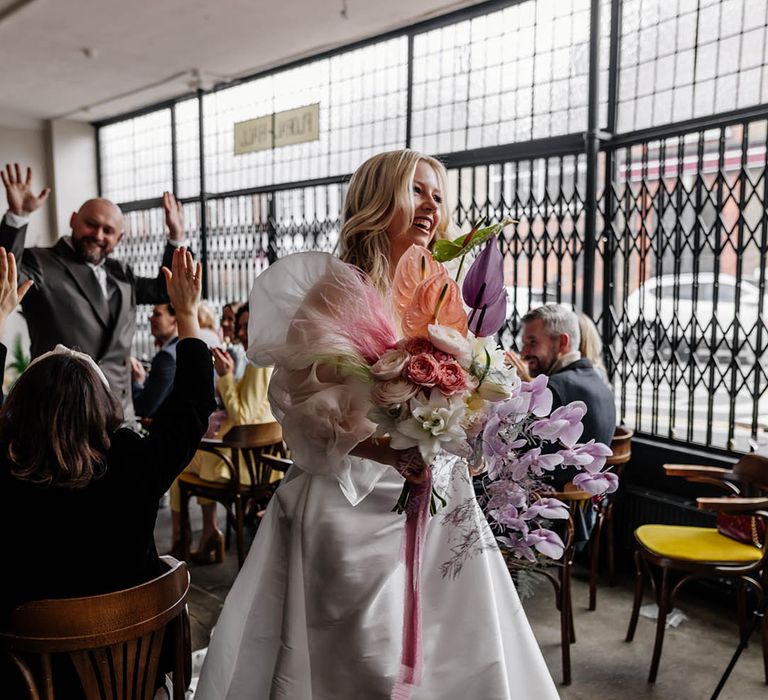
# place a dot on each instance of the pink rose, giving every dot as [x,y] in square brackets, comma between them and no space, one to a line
[390,364]
[393,392]
[441,356]
[418,346]
[422,369]
[451,377]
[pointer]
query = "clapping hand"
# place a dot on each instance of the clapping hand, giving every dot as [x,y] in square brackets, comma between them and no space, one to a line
[10,292]
[184,282]
[512,359]
[21,200]
[174,217]
[222,362]
[138,373]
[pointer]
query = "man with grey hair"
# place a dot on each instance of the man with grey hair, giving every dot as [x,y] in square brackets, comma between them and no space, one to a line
[550,345]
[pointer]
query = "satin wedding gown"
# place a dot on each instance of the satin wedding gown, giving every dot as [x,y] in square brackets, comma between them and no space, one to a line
[316,612]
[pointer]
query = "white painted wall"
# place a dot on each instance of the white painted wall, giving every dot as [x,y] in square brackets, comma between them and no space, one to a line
[72,168]
[28,147]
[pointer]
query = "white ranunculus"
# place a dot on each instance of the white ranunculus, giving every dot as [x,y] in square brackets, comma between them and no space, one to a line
[451,341]
[498,384]
[390,364]
[495,353]
[491,391]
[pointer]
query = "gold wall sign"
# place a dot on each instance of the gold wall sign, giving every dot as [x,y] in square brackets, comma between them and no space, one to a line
[279,129]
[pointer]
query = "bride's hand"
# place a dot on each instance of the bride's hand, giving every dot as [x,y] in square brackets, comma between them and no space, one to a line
[412,466]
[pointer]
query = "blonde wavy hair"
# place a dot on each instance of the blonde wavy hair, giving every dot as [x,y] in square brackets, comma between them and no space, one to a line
[380,188]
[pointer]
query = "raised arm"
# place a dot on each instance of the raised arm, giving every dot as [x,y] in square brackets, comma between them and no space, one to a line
[21,203]
[182,420]
[11,294]
[152,290]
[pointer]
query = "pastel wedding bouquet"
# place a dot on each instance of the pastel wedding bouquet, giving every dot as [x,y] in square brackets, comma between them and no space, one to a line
[444,386]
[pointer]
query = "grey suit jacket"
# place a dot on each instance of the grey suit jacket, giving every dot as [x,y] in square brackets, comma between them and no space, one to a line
[66,305]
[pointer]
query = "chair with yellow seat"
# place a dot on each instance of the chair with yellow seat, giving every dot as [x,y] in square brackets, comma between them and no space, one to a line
[698,552]
[259,448]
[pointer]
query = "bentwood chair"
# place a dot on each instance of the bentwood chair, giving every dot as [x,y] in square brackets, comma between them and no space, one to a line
[113,641]
[621,448]
[260,449]
[561,577]
[673,555]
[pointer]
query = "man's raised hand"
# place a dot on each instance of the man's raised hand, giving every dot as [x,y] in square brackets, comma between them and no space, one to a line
[174,217]
[21,200]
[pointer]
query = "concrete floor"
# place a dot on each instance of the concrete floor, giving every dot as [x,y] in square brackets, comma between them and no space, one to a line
[603,664]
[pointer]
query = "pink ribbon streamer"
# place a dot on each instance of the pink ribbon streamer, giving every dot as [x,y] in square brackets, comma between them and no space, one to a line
[416,519]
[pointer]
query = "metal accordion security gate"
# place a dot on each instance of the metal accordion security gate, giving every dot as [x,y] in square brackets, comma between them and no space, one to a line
[627,138]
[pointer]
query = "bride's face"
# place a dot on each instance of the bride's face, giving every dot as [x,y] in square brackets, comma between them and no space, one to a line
[427,197]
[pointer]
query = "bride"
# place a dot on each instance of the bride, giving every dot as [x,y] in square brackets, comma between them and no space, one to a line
[317,612]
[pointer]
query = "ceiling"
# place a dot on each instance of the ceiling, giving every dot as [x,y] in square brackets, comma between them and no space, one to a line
[89,60]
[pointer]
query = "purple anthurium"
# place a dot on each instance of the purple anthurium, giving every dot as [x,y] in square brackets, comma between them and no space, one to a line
[590,456]
[597,484]
[564,424]
[488,319]
[549,508]
[484,293]
[484,282]
[540,395]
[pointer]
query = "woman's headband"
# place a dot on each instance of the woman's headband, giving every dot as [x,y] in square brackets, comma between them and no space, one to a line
[64,350]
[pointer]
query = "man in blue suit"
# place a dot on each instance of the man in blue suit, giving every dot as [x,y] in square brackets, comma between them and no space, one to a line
[149,391]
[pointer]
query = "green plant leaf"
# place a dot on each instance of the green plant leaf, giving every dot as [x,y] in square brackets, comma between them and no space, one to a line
[443,251]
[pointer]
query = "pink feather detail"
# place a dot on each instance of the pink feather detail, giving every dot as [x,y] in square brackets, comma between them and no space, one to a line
[344,314]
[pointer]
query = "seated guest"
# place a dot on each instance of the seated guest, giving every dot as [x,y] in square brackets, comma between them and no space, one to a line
[149,392]
[207,320]
[245,401]
[591,345]
[551,340]
[229,334]
[80,493]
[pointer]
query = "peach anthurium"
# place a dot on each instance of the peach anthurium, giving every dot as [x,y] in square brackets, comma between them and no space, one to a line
[414,267]
[435,300]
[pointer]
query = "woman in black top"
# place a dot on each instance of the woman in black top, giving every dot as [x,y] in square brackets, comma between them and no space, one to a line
[80,494]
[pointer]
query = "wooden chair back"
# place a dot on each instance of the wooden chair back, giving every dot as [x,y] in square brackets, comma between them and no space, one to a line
[621,446]
[752,470]
[254,436]
[259,447]
[114,641]
[249,443]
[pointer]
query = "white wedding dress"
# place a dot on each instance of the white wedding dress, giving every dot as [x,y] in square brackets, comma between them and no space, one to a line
[316,612]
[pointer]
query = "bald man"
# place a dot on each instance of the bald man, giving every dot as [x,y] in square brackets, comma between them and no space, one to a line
[82,298]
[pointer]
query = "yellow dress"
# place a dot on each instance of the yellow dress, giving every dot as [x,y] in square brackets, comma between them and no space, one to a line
[246,402]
